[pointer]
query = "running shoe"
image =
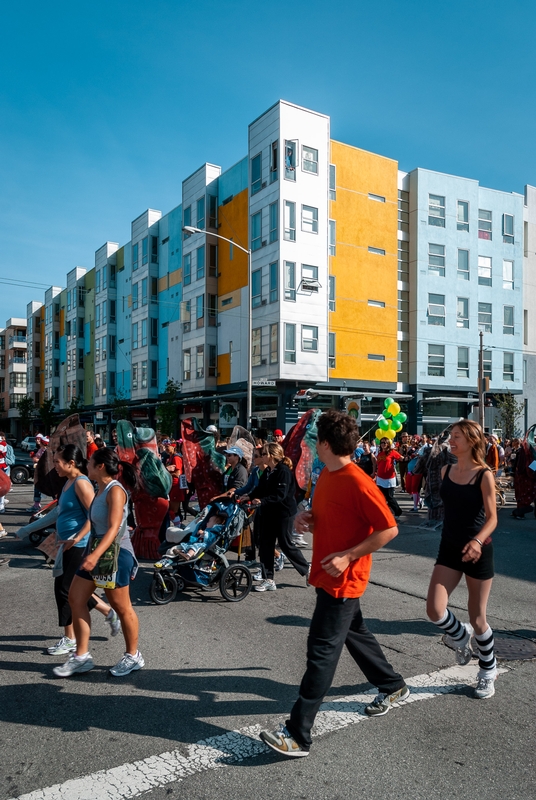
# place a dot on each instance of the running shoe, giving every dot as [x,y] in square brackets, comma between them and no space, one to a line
[383,703]
[299,540]
[282,742]
[73,665]
[6,501]
[114,622]
[485,688]
[127,664]
[3,533]
[462,647]
[256,575]
[63,647]
[279,562]
[266,586]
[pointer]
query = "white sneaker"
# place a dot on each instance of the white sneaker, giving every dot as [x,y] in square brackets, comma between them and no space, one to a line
[485,688]
[3,533]
[73,665]
[63,647]
[462,647]
[114,622]
[266,586]
[127,664]
[6,501]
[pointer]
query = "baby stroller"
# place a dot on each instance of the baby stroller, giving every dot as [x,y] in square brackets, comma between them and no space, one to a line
[209,569]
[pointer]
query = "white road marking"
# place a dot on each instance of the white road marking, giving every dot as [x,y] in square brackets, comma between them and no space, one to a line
[132,780]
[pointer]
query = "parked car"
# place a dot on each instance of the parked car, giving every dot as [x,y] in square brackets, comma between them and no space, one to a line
[28,444]
[22,470]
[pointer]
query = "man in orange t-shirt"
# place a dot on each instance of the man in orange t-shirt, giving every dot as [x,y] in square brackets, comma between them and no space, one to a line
[350,520]
[91,446]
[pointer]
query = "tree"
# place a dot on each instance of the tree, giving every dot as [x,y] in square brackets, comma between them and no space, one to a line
[26,412]
[120,406]
[166,411]
[47,414]
[75,406]
[510,411]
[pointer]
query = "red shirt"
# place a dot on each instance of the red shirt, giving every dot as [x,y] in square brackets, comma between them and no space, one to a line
[385,464]
[91,448]
[347,507]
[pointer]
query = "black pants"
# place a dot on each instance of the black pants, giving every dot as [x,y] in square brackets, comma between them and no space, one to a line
[72,558]
[279,531]
[389,495]
[336,622]
[403,469]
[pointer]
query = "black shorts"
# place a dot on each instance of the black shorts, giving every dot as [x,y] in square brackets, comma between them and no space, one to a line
[450,555]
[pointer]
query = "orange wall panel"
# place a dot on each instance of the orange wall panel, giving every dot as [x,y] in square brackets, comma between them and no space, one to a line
[233,224]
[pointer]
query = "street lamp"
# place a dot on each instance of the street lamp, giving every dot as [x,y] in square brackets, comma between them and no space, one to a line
[190,229]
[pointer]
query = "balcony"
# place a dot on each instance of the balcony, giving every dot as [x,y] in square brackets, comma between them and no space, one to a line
[17,360]
[17,341]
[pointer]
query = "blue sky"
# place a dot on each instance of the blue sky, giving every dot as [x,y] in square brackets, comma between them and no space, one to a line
[106,106]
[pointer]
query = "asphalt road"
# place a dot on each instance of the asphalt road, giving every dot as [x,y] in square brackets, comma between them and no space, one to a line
[213,667]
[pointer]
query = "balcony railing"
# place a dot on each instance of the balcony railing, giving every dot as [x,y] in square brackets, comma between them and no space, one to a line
[14,340]
[17,360]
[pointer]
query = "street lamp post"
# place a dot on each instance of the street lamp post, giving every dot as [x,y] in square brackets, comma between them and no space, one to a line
[190,229]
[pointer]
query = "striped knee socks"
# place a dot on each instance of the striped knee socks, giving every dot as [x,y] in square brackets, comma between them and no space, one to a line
[455,629]
[486,657]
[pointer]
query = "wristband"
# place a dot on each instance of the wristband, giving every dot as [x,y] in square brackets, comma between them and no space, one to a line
[474,539]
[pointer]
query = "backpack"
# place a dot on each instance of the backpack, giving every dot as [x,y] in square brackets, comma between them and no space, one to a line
[10,456]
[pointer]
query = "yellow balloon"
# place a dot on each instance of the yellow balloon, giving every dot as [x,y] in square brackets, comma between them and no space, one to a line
[390,434]
[379,433]
[394,409]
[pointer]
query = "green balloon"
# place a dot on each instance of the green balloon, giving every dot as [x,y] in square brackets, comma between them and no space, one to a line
[401,417]
[396,426]
[383,424]
[387,402]
[377,440]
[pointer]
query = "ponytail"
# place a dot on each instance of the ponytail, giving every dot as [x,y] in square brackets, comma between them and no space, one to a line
[115,468]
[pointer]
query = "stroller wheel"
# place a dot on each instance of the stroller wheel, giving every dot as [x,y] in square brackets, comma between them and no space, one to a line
[235,583]
[163,588]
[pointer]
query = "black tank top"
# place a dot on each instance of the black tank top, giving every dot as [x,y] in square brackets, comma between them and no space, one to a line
[365,462]
[464,508]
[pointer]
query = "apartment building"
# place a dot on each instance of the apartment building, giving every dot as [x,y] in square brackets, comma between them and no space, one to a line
[13,347]
[529,305]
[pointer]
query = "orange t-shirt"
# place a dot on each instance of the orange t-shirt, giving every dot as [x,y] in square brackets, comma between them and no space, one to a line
[91,448]
[347,507]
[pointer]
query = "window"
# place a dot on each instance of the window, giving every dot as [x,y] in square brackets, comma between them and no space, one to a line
[290,343]
[462,216]
[144,333]
[256,288]
[97,316]
[154,249]
[186,365]
[256,231]
[525,326]
[154,290]
[377,251]
[134,376]
[309,219]
[508,320]
[273,222]
[462,312]
[256,174]
[212,361]
[201,213]
[187,219]
[273,278]
[331,292]
[103,349]
[508,228]
[154,330]
[290,160]
[525,371]
[378,303]
[200,361]
[403,261]
[309,278]
[463,264]
[290,221]
[332,182]
[487,363]
[508,366]
[135,340]
[112,345]
[508,274]
[200,310]
[403,211]
[375,357]
[145,250]
[310,160]
[113,306]
[484,224]
[154,374]
[377,197]
[212,261]
[187,269]
[309,337]
[97,281]
[143,292]
[144,374]
[256,347]
[463,362]
[484,271]
[274,160]
[403,361]
[403,310]
[436,309]
[274,343]
[436,360]
[484,317]
[331,350]
[332,232]
[290,280]
[134,296]
[104,309]
[212,211]
[200,262]
[436,210]
[113,281]
[212,300]
[231,249]
[186,308]
[436,259]
[81,358]
[68,299]
[98,383]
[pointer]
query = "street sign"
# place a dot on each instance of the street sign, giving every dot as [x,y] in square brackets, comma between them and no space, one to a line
[262,382]
[264,414]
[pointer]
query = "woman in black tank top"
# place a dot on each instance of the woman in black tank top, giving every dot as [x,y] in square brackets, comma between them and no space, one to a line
[468,494]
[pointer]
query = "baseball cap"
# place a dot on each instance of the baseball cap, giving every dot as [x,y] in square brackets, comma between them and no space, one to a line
[212,429]
[236,451]
[278,432]
[43,439]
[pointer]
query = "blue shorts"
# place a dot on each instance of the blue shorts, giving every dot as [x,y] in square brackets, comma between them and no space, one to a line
[125,567]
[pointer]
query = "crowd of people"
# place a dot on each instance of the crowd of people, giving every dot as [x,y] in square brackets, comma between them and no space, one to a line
[350,506]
